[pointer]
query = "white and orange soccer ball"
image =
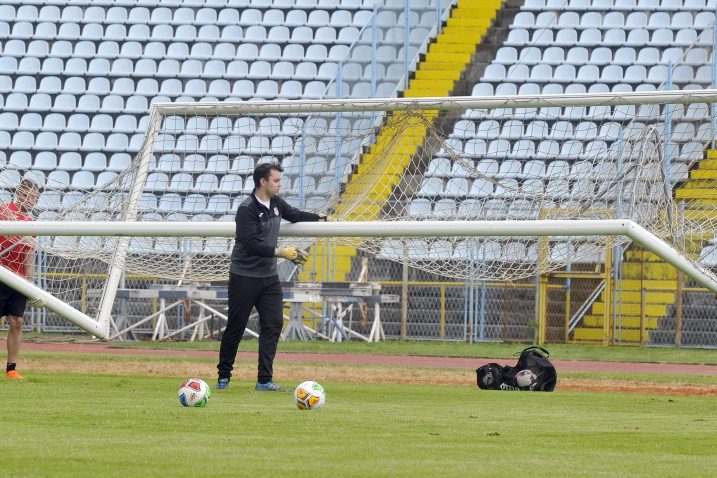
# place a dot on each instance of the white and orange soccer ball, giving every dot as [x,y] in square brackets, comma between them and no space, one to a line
[194,392]
[525,378]
[309,395]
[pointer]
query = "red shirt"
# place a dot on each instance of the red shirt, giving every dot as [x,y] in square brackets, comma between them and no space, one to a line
[15,258]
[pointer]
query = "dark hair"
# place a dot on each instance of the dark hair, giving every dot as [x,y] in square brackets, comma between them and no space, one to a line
[26,183]
[263,171]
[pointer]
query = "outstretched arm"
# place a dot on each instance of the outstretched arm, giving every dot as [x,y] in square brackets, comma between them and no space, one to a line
[292,214]
[30,265]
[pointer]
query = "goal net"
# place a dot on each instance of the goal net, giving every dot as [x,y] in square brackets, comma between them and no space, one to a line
[592,157]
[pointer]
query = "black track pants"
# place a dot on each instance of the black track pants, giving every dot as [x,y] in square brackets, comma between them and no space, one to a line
[245,293]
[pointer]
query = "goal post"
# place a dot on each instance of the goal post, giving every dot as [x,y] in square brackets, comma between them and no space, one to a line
[499,188]
[94,327]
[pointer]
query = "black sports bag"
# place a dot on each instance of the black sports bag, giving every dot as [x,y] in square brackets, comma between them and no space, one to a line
[533,372]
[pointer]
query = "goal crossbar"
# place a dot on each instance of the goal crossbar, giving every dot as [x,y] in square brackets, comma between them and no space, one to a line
[455,103]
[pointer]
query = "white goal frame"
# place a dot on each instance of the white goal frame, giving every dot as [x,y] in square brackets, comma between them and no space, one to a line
[129,227]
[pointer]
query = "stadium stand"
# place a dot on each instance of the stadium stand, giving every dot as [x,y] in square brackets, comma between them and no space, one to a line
[94,68]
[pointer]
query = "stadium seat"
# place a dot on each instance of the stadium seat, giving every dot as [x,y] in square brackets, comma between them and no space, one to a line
[419,208]
[431,187]
[157,182]
[456,187]
[194,204]
[206,183]
[105,178]
[218,204]
[83,180]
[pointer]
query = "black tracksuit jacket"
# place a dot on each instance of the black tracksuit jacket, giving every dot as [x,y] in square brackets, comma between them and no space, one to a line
[257,235]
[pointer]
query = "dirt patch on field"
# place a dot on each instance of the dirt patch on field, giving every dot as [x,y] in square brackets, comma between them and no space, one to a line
[246,370]
[291,372]
[624,386]
[350,368]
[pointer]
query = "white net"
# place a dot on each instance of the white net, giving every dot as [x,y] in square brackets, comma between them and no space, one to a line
[555,157]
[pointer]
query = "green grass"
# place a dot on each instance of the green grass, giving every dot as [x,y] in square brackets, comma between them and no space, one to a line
[73,425]
[461,349]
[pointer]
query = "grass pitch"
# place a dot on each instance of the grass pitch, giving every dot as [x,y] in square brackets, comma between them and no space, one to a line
[104,424]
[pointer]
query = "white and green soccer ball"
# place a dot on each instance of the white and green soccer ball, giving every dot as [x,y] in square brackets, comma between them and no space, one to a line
[309,395]
[194,392]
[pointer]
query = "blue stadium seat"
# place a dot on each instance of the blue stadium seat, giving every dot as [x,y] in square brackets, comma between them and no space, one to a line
[95,162]
[218,164]
[194,204]
[218,204]
[83,180]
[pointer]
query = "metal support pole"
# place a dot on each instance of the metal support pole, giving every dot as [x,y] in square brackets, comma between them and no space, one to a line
[714,81]
[678,309]
[542,308]
[482,312]
[566,336]
[404,302]
[373,49]
[607,338]
[442,327]
[406,40]
[643,306]
[668,124]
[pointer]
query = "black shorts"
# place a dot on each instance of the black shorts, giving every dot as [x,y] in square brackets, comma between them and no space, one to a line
[12,303]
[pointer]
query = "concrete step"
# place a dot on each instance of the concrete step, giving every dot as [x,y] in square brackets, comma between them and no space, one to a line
[425,93]
[338,249]
[637,285]
[442,66]
[626,322]
[455,35]
[631,310]
[596,335]
[461,58]
[462,47]
[653,271]
[468,23]
[438,74]
[652,297]
[707,164]
[430,85]
[696,193]
[702,214]
[703,173]
[476,12]
[640,256]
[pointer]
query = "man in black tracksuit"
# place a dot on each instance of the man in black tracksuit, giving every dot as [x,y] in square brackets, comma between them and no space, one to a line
[253,276]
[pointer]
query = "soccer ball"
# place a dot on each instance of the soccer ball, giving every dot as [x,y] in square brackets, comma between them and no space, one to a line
[194,393]
[525,378]
[309,395]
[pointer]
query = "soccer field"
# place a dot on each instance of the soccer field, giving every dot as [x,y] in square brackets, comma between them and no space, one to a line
[124,422]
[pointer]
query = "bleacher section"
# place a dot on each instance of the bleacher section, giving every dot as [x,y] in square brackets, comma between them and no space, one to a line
[445,60]
[572,46]
[77,77]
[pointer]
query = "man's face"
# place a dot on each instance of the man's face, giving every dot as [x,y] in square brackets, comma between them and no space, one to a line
[26,198]
[273,184]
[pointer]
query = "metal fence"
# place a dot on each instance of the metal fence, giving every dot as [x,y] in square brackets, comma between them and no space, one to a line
[432,309]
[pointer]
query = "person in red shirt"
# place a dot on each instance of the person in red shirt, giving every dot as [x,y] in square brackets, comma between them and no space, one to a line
[19,257]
